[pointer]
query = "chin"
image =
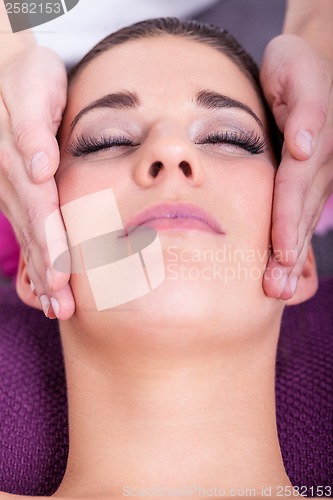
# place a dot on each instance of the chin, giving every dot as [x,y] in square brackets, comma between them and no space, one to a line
[184,305]
[180,319]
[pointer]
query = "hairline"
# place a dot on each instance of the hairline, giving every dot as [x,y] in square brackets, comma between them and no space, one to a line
[105,45]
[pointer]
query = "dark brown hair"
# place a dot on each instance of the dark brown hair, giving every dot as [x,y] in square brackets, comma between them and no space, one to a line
[210,35]
[216,38]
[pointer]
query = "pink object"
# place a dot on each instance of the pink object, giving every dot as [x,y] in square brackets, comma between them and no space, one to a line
[175,215]
[9,249]
[325,223]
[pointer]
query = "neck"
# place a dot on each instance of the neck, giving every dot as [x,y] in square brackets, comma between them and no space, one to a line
[138,421]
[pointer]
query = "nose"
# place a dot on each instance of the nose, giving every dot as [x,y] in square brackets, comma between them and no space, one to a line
[168,155]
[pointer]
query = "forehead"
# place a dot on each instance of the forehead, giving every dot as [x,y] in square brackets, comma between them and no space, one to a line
[162,70]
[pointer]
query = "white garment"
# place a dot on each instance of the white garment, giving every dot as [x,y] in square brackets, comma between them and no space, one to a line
[77,31]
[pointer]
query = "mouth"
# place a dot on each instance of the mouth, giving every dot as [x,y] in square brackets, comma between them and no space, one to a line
[176,217]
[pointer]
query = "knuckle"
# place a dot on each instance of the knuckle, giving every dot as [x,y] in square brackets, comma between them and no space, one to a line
[24,132]
[301,260]
[33,211]
[319,113]
[44,250]
[310,225]
[294,190]
[57,118]
[5,160]
[302,187]
[26,239]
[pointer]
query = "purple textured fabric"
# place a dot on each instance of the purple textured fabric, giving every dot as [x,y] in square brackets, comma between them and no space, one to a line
[33,415]
[9,249]
[304,390]
[33,411]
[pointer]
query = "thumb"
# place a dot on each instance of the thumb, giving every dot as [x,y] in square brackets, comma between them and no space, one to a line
[305,121]
[40,79]
[39,148]
[297,80]
[306,91]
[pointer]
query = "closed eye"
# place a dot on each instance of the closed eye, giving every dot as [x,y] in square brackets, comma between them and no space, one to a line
[82,145]
[251,142]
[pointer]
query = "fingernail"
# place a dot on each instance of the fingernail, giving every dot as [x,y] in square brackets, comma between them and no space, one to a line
[39,163]
[45,304]
[50,313]
[55,306]
[293,284]
[32,286]
[304,141]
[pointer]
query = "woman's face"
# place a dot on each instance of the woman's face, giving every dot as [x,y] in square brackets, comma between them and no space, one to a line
[182,130]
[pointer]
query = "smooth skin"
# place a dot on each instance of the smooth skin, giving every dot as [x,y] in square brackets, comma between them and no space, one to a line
[29,155]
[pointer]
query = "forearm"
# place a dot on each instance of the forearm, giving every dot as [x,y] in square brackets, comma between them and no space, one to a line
[12,44]
[313,21]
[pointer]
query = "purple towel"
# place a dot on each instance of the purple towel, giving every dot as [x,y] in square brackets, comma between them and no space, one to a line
[9,249]
[33,416]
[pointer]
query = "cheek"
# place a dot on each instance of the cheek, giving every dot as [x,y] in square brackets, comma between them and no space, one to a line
[251,201]
[79,178]
[254,217]
[246,201]
[89,200]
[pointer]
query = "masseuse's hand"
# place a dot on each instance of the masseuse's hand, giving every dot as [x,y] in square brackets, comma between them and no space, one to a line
[297,82]
[32,99]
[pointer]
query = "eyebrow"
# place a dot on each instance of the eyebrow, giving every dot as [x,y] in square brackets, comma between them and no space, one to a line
[118,100]
[209,99]
[206,99]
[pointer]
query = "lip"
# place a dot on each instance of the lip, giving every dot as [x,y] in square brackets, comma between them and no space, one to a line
[176,216]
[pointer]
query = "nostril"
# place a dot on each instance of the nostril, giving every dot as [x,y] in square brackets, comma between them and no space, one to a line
[155,168]
[186,168]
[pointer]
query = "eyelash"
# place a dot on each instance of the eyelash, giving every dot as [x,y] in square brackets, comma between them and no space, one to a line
[249,141]
[83,146]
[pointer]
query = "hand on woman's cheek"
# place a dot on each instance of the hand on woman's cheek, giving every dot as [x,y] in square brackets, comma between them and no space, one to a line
[169,151]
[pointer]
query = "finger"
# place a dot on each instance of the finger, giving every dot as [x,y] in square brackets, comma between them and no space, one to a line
[292,282]
[275,278]
[292,184]
[38,290]
[55,303]
[313,207]
[36,116]
[300,192]
[39,148]
[312,210]
[26,203]
[59,304]
[281,282]
[63,303]
[39,206]
[308,106]
[28,134]
[30,208]
[26,206]
[39,203]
